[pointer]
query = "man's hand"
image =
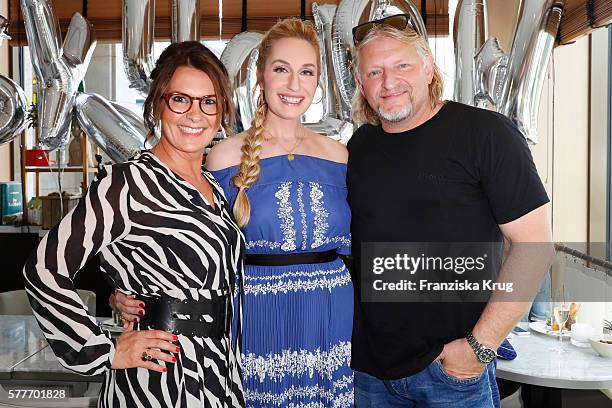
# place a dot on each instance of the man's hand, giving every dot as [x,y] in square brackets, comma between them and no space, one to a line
[459,360]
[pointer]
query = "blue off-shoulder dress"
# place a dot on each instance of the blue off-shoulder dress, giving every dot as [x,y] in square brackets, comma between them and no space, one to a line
[298,318]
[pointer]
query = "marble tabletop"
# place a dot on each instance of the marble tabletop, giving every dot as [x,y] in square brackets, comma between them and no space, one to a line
[20,338]
[536,364]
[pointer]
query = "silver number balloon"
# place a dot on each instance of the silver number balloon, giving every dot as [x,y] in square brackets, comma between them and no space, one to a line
[108,128]
[528,60]
[43,32]
[13,106]
[79,44]
[241,67]
[325,111]
[185,20]
[58,74]
[470,30]
[323,17]
[490,73]
[136,121]
[138,25]
[347,16]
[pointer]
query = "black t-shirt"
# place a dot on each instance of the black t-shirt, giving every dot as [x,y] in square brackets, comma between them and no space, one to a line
[454,178]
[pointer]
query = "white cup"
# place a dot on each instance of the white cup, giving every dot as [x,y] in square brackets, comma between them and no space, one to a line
[581,333]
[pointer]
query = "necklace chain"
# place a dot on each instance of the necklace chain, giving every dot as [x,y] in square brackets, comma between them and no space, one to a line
[290,155]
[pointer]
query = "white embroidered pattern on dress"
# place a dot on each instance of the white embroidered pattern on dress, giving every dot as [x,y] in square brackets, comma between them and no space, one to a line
[285,213]
[302,215]
[297,363]
[306,285]
[316,392]
[320,214]
[294,274]
[262,243]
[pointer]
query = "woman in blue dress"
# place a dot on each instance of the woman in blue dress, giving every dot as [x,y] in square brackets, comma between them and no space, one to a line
[287,187]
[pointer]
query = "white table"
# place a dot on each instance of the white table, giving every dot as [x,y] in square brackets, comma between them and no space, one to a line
[552,379]
[536,364]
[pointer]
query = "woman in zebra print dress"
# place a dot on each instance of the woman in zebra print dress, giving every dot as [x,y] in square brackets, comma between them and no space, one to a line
[164,230]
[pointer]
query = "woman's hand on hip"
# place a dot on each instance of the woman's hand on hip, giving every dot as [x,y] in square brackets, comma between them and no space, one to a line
[143,349]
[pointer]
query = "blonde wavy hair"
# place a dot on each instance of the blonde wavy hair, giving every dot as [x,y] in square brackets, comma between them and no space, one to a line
[249,168]
[362,111]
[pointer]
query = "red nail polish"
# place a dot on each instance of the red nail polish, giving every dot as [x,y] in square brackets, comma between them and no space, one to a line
[141,312]
[175,338]
[178,349]
[141,305]
[164,369]
[135,320]
[174,359]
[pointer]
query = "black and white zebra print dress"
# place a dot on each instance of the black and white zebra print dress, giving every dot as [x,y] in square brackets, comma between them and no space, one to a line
[157,235]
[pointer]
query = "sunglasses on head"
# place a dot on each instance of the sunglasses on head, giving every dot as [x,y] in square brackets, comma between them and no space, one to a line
[399,21]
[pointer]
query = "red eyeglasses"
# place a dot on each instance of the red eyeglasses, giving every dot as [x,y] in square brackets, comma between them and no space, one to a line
[180,103]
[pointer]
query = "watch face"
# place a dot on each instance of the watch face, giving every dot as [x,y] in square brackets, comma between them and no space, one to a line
[486,355]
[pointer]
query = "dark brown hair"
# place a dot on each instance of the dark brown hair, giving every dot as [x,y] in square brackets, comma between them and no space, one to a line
[187,54]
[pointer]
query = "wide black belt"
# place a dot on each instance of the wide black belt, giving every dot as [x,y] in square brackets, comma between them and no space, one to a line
[161,314]
[296,258]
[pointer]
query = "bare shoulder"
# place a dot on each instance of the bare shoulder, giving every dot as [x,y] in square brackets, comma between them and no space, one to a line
[329,149]
[226,153]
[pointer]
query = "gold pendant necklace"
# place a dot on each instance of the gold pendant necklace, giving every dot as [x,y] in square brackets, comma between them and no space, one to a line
[290,155]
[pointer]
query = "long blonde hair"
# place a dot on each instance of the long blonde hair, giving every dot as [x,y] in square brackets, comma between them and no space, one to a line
[249,168]
[362,111]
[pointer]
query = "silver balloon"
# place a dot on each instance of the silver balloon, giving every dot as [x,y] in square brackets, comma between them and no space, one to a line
[44,37]
[185,20]
[241,66]
[55,102]
[58,74]
[385,8]
[321,117]
[138,25]
[135,119]
[490,73]
[13,107]
[348,15]
[109,129]
[531,50]
[470,30]
[79,44]
[323,17]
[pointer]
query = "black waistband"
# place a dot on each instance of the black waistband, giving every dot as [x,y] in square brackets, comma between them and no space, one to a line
[290,259]
[161,314]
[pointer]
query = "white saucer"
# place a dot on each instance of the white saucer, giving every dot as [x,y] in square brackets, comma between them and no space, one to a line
[542,327]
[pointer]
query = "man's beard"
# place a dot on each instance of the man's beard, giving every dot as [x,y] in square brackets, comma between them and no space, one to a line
[395,117]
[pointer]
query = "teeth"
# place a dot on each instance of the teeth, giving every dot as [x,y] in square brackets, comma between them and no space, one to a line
[291,99]
[190,130]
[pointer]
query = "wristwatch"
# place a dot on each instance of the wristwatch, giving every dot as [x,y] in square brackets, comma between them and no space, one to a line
[484,354]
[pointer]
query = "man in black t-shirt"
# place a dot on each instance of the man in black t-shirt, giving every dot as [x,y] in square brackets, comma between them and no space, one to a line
[424,170]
